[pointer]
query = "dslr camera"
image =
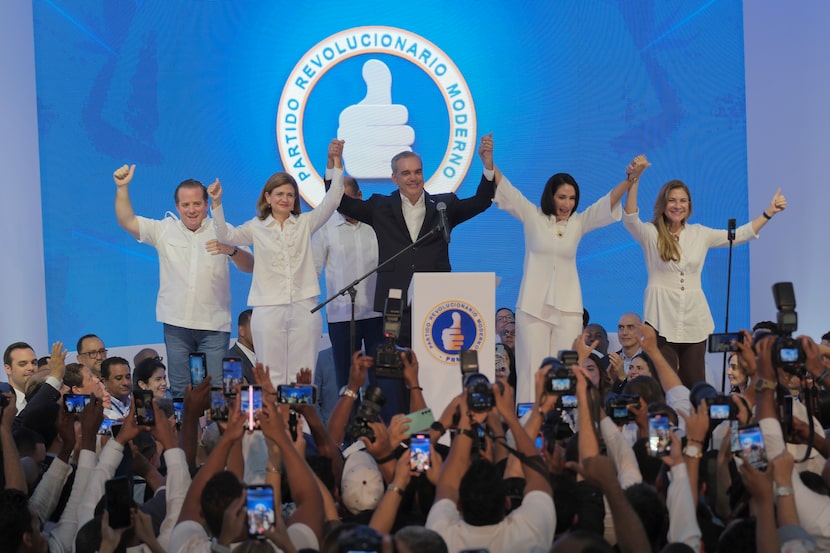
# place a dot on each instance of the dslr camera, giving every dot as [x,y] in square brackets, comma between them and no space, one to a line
[616,407]
[787,352]
[373,401]
[480,397]
[560,377]
[388,363]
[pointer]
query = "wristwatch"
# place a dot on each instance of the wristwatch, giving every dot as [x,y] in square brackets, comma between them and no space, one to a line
[782,491]
[348,393]
[692,451]
[763,384]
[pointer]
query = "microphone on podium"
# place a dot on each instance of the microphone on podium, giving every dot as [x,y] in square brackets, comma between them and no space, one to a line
[443,222]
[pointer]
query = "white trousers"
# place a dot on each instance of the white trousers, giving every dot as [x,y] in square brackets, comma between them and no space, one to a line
[286,338]
[537,339]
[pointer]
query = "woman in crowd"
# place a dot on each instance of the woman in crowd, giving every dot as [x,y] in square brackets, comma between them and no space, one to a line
[285,286]
[151,374]
[675,251]
[549,308]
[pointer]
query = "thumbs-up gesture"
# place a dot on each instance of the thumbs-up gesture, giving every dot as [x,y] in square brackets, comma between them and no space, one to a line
[375,128]
[123,175]
[215,193]
[778,203]
[451,337]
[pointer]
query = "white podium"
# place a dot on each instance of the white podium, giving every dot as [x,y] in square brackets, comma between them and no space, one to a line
[451,312]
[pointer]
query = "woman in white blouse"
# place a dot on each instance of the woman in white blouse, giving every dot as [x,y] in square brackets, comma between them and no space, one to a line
[675,251]
[549,307]
[285,287]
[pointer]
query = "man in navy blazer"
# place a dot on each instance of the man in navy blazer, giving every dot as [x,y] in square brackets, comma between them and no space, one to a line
[404,216]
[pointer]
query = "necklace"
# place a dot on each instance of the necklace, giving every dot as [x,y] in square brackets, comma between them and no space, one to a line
[676,235]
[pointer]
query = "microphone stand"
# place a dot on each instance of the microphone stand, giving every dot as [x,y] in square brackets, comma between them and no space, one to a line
[352,291]
[730,235]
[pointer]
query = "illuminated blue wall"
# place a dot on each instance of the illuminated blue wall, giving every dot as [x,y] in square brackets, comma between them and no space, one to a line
[192,89]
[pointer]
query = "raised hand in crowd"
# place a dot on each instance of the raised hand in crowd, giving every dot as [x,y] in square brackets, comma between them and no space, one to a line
[123,175]
[215,193]
[57,361]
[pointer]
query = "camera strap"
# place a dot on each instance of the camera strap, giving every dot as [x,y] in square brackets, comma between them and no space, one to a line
[535,463]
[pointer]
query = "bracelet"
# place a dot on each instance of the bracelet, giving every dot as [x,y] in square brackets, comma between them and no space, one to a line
[234,252]
[767,217]
[822,376]
[349,393]
[688,439]
[783,491]
[410,388]
[393,487]
[467,432]
[273,469]
[392,456]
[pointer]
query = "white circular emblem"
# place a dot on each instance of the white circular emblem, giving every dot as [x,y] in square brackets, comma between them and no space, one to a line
[375,126]
[452,326]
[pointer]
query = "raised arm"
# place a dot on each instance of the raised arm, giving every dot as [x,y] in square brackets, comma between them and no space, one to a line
[485,152]
[648,341]
[123,206]
[12,469]
[776,205]
[633,172]
[303,485]
[224,233]
[631,200]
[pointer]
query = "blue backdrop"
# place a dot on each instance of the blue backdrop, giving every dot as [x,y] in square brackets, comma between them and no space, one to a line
[192,90]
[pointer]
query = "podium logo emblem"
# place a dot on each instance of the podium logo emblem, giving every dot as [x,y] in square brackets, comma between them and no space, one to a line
[375,127]
[452,326]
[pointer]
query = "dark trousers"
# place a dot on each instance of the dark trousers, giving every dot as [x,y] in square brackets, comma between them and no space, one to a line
[687,359]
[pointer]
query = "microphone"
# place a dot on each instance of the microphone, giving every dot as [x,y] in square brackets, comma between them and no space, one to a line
[443,223]
[731,230]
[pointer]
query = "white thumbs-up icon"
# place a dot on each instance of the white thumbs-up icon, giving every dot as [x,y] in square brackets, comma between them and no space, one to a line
[451,337]
[375,128]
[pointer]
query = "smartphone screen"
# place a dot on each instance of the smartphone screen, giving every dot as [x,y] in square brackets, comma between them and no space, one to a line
[752,446]
[218,405]
[75,403]
[297,394]
[419,453]
[260,506]
[144,414]
[118,495]
[231,374]
[251,405]
[178,410]
[104,429]
[658,435]
[523,408]
[198,368]
[560,384]
[720,343]
[540,441]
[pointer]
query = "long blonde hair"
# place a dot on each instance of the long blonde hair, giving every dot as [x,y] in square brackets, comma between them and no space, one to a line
[666,244]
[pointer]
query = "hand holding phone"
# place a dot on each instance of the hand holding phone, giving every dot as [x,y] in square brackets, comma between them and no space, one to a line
[752,446]
[659,435]
[118,496]
[420,459]
[144,413]
[231,374]
[297,394]
[261,513]
[198,368]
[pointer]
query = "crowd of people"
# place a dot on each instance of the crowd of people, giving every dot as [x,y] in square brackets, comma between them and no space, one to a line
[583,450]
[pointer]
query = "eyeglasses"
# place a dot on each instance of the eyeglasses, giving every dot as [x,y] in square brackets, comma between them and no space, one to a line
[503,318]
[509,332]
[95,353]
